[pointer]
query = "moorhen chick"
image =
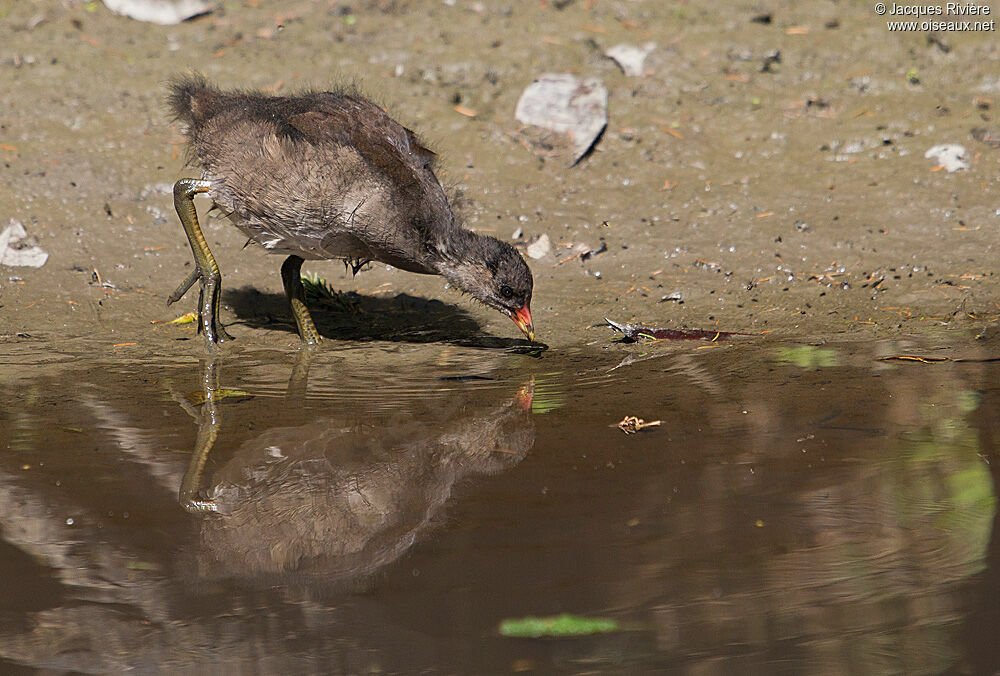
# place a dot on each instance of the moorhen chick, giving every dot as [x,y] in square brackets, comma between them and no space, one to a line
[328,175]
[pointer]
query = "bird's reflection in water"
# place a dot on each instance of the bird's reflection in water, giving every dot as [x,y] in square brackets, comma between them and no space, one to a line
[335,498]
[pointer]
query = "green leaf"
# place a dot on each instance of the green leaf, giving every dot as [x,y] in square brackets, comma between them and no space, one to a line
[557,625]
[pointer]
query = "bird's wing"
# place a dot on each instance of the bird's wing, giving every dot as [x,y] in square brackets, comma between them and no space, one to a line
[320,126]
[427,156]
[365,127]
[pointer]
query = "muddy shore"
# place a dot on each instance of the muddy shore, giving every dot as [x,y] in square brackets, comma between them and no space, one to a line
[766,173]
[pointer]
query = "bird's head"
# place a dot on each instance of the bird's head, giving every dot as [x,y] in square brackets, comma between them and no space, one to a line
[494,273]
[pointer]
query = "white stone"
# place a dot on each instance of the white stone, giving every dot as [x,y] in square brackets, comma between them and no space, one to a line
[161,12]
[950,155]
[565,104]
[629,57]
[539,248]
[15,254]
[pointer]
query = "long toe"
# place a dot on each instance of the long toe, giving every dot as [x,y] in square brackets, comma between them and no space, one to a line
[188,282]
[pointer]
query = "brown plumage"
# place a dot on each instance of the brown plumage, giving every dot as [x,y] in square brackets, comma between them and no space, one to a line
[331,175]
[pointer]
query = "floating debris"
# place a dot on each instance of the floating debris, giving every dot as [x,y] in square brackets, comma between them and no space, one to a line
[19,250]
[631,424]
[637,333]
[951,156]
[937,360]
[565,104]
[161,12]
[629,57]
[915,357]
[559,625]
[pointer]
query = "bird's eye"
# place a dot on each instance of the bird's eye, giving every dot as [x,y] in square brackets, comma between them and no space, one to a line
[506,291]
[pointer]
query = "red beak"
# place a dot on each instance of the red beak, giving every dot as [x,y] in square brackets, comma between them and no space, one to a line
[524,396]
[522,318]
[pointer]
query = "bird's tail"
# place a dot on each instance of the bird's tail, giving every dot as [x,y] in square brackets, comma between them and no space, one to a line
[192,99]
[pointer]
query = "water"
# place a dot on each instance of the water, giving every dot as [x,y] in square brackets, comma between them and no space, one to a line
[383,508]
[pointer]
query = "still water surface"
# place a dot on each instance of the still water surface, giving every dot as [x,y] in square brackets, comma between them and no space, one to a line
[384,508]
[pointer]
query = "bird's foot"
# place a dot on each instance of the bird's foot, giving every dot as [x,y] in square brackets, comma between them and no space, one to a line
[208,303]
[206,270]
[291,277]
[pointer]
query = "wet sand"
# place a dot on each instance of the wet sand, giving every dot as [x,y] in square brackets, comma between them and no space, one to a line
[769,201]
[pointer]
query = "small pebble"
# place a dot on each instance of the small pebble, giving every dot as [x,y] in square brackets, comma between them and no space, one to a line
[630,58]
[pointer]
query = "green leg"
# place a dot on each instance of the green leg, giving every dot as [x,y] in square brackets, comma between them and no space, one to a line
[295,393]
[291,271]
[208,430]
[206,269]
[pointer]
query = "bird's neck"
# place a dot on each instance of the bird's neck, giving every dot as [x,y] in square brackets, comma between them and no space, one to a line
[454,244]
[457,259]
